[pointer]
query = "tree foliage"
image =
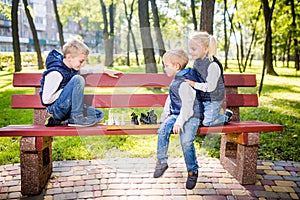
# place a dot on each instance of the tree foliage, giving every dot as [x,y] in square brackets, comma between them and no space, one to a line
[239,26]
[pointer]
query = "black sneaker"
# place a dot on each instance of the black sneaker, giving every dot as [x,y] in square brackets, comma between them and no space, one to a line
[191,180]
[50,121]
[160,169]
[229,114]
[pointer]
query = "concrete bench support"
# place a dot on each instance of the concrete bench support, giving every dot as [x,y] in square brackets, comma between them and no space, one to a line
[240,160]
[36,163]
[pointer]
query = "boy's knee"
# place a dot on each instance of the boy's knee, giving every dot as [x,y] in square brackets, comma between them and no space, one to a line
[206,123]
[187,144]
[78,79]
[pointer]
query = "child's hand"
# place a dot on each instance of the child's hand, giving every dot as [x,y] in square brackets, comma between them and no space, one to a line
[176,129]
[111,73]
[192,83]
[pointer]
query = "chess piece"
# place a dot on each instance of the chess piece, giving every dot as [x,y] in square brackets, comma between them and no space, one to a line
[117,120]
[145,118]
[122,119]
[134,119]
[152,117]
[110,120]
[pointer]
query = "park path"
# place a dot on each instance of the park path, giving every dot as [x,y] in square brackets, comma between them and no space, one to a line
[131,178]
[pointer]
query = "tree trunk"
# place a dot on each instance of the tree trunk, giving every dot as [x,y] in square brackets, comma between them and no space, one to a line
[294,28]
[108,37]
[252,38]
[59,25]
[147,43]
[34,35]
[241,47]
[15,35]
[268,40]
[268,43]
[231,30]
[159,38]
[135,49]
[130,33]
[226,43]
[207,16]
[288,51]
[194,19]
[128,18]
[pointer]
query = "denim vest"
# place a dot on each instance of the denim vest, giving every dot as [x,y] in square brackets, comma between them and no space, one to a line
[176,102]
[201,67]
[54,62]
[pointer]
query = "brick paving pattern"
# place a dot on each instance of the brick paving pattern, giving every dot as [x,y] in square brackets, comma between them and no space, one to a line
[131,178]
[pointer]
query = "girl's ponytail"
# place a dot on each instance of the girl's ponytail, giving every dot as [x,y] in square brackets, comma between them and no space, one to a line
[212,47]
[206,40]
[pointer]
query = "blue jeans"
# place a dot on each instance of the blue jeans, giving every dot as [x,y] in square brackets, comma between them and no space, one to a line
[212,115]
[70,102]
[186,140]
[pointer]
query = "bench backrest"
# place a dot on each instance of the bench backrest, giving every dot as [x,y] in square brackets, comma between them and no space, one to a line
[124,92]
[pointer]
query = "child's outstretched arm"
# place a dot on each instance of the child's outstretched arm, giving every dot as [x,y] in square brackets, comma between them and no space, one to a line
[198,86]
[111,73]
[91,70]
[213,74]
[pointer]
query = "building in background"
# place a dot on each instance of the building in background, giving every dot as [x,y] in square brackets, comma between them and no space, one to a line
[45,23]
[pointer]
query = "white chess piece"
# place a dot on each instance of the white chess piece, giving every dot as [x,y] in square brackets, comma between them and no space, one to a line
[110,120]
[117,120]
[122,119]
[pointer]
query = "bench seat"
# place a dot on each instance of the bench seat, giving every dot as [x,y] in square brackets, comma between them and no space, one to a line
[41,130]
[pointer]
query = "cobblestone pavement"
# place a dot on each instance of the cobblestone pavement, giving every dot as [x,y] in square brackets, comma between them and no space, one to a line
[131,178]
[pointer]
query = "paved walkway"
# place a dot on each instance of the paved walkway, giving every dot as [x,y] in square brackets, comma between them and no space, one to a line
[131,178]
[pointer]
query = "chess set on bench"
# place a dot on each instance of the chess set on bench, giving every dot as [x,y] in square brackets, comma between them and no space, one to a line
[148,120]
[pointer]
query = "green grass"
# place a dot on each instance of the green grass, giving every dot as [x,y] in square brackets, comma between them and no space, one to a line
[279,103]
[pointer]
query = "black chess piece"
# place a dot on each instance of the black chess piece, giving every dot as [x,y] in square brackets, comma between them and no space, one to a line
[152,117]
[145,118]
[134,119]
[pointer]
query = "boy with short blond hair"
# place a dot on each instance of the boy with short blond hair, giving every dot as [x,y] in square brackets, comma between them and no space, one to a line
[182,115]
[62,87]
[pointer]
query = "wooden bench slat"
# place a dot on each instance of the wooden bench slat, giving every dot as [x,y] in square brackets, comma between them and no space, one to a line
[240,80]
[27,79]
[41,130]
[131,80]
[241,100]
[129,100]
[99,101]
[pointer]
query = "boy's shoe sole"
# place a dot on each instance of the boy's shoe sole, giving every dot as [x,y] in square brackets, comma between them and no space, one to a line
[83,125]
[50,121]
[160,170]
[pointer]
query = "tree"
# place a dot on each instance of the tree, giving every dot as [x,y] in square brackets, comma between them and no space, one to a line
[148,49]
[207,16]
[15,35]
[130,33]
[294,35]
[193,8]
[159,38]
[268,42]
[59,25]
[226,42]
[108,35]
[34,35]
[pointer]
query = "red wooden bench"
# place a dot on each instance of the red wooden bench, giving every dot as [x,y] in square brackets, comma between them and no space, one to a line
[239,143]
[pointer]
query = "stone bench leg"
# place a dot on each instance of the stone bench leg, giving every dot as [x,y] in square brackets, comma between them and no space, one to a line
[36,163]
[240,160]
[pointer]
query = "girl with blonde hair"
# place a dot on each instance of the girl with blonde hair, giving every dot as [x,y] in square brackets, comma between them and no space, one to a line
[203,48]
